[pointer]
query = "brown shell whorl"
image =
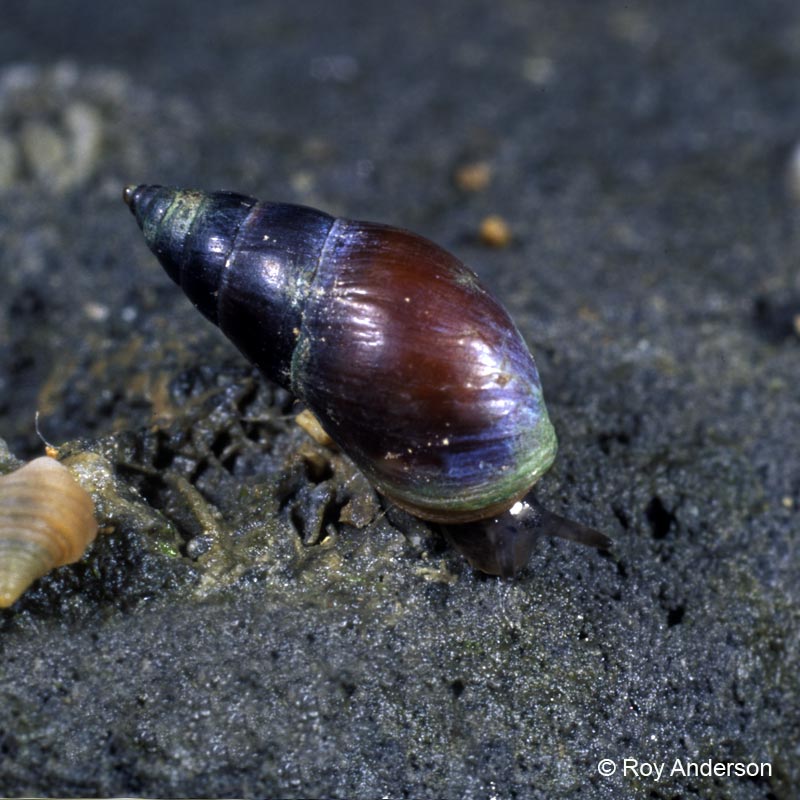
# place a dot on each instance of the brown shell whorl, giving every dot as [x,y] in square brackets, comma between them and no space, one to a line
[46,521]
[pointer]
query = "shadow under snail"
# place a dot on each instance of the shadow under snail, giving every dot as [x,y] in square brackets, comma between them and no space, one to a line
[413,368]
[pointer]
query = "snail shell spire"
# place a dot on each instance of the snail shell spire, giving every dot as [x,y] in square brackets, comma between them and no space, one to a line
[246,265]
[46,521]
[410,364]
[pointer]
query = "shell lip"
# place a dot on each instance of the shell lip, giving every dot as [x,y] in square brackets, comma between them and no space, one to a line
[454,516]
[454,509]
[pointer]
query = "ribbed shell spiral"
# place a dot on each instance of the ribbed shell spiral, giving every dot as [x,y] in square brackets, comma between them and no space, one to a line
[46,520]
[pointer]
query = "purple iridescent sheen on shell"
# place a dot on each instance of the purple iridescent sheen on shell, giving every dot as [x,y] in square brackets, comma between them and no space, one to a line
[411,366]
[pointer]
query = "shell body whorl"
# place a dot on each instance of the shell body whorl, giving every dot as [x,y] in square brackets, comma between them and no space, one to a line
[411,365]
[46,521]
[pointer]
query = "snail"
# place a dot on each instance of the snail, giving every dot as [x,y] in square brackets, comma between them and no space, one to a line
[412,367]
[46,521]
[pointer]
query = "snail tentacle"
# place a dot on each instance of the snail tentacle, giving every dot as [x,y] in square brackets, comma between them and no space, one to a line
[502,545]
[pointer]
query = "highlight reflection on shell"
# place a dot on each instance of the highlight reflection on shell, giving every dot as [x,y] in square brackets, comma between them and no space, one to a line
[46,521]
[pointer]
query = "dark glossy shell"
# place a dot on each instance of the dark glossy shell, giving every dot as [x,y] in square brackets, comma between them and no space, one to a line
[412,367]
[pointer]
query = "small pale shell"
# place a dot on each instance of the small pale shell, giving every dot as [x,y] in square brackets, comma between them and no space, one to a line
[46,520]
